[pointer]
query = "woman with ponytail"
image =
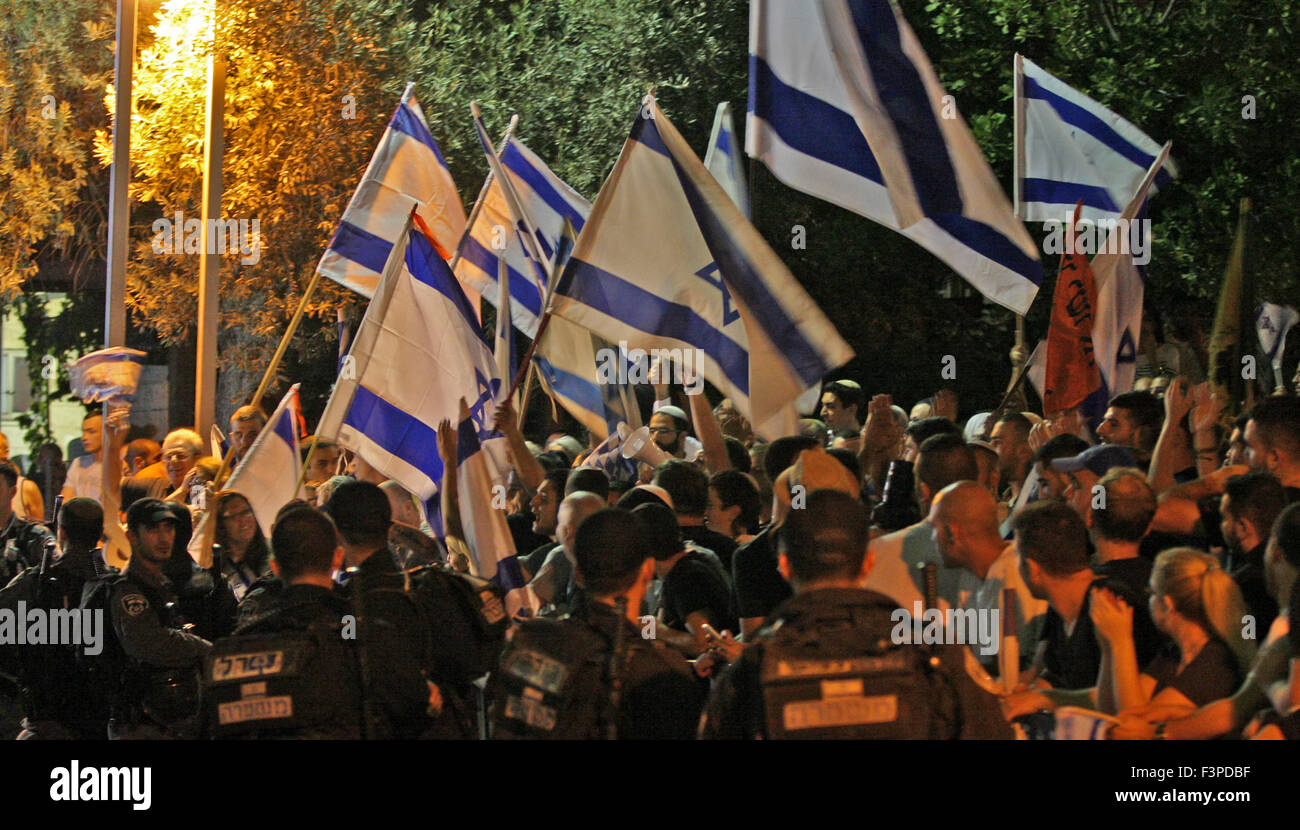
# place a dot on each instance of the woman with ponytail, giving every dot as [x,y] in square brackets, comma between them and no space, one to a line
[1198,605]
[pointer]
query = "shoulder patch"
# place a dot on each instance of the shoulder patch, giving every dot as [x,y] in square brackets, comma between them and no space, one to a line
[134,604]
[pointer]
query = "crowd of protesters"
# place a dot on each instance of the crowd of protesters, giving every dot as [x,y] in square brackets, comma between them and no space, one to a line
[1144,565]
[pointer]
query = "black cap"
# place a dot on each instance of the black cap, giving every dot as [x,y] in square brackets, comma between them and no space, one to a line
[149,512]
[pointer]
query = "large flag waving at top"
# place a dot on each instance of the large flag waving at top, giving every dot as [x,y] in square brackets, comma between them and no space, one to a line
[417,352]
[1071,148]
[844,105]
[407,168]
[667,261]
[267,476]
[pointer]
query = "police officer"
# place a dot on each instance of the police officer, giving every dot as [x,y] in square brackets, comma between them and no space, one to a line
[22,544]
[599,672]
[322,693]
[53,691]
[152,662]
[394,638]
[825,665]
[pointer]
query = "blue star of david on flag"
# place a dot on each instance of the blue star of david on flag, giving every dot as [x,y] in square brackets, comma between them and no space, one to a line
[709,274]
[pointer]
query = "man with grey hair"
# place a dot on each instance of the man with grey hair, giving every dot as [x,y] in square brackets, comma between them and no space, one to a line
[554,583]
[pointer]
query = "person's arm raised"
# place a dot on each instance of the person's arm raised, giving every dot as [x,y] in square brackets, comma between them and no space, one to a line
[529,468]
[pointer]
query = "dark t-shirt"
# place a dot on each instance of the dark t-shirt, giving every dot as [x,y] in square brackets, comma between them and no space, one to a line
[1212,675]
[521,531]
[1247,570]
[1134,572]
[759,585]
[696,584]
[699,534]
[1073,660]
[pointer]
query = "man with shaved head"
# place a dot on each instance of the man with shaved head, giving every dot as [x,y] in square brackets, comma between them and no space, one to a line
[555,582]
[964,518]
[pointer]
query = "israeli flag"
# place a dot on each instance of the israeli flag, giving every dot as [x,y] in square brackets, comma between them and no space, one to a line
[566,358]
[487,533]
[724,156]
[1071,148]
[267,476]
[417,352]
[1117,326]
[407,169]
[667,261]
[1272,322]
[843,105]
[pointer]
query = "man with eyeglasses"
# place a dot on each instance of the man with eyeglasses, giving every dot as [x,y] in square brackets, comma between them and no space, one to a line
[669,428]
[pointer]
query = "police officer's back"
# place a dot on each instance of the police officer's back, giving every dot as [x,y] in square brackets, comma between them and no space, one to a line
[825,666]
[394,635]
[300,648]
[593,674]
[55,696]
[149,667]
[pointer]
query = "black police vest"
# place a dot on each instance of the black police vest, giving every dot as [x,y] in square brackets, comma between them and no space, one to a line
[553,682]
[301,682]
[836,674]
[468,617]
[130,690]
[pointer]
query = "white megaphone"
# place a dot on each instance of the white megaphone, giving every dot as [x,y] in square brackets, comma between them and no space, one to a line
[639,446]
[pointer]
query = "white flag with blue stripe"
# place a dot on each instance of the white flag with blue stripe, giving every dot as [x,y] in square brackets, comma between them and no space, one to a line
[667,261]
[1117,326]
[417,352]
[566,358]
[724,156]
[1272,323]
[844,105]
[407,169]
[1075,149]
[267,476]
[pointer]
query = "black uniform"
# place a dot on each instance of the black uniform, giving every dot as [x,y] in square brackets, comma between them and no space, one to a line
[306,665]
[21,546]
[54,694]
[396,649]
[824,666]
[150,666]
[557,680]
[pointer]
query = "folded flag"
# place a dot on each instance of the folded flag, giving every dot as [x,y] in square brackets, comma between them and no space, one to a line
[668,262]
[1071,373]
[724,156]
[844,105]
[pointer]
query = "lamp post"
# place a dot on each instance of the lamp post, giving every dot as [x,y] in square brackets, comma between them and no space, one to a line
[205,385]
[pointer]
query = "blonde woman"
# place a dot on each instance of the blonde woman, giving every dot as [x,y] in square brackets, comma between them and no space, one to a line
[1196,603]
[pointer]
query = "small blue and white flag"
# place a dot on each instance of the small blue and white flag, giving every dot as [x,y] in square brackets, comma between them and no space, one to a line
[407,169]
[1117,326]
[417,352]
[1272,322]
[724,156]
[844,105]
[487,533]
[668,262]
[217,442]
[1071,148]
[566,357]
[268,474]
